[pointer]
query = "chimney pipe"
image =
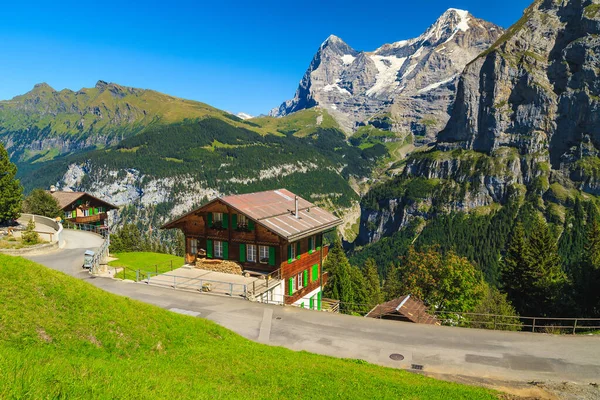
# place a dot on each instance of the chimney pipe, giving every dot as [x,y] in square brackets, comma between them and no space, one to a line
[297,215]
[52,189]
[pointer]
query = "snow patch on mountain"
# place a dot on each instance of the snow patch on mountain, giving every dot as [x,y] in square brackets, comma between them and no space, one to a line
[348,59]
[437,84]
[388,67]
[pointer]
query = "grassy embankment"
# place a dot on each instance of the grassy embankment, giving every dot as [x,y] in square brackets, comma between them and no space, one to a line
[145,262]
[63,338]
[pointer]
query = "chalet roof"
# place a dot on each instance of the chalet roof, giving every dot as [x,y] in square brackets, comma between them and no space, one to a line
[407,307]
[274,209]
[67,198]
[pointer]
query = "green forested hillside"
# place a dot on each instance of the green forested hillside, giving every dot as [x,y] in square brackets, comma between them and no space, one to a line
[227,158]
[45,123]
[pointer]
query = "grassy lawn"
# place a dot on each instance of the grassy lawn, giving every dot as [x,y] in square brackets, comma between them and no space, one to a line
[145,261]
[63,338]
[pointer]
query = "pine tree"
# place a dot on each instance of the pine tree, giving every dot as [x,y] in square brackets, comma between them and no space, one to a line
[391,287]
[373,286]
[339,285]
[544,271]
[11,192]
[586,275]
[360,295]
[513,266]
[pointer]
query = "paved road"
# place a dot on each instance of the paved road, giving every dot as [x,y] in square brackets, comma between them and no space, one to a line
[508,356]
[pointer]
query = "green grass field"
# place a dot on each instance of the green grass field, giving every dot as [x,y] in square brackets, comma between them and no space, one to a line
[144,261]
[63,338]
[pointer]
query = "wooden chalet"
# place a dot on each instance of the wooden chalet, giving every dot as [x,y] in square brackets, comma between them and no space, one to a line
[275,233]
[83,208]
[405,308]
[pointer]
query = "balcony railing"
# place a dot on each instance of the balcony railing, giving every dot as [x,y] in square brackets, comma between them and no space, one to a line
[89,219]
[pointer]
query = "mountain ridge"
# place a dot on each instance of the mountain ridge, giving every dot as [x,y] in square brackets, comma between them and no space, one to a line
[381,87]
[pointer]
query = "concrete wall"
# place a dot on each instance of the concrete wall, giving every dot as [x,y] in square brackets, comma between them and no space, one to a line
[44,222]
[31,251]
[306,299]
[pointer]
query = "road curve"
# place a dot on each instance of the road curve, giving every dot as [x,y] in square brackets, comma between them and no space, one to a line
[495,355]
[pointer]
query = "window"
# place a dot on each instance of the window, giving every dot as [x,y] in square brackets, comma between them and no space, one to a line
[86,213]
[218,249]
[299,281]
[311,244]
[251,253]
[100,209]
[217,217]
[293,285]
[193,246]
[264,254]
[68,214]
[293,251]
[242,221]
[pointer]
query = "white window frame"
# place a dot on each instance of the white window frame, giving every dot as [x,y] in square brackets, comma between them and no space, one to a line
[194,246]
[242,221]
[300,280]
[294,284]
[312,243]
[251,253]
[218,248]
[217,217]
[294,251]
[263,258]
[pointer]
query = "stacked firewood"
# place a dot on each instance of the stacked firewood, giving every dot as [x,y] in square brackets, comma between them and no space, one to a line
[227,267]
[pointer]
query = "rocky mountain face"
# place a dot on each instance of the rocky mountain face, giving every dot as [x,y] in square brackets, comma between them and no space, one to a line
[44,123]
[405,87]
[525,123]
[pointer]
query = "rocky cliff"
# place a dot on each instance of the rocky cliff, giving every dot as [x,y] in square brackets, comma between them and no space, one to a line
[405,86]
[525,123]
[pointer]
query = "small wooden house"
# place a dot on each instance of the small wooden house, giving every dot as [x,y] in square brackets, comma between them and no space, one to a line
[405,308]
[83,208]
[275,233]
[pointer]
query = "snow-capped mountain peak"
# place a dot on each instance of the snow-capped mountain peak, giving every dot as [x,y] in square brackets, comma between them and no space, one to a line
[355,86]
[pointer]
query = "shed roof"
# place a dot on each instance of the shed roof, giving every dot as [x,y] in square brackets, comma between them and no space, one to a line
[67,198]
[275,210]
[407,307]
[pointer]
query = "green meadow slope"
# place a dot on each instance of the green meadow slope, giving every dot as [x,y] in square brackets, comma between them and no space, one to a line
[63,338]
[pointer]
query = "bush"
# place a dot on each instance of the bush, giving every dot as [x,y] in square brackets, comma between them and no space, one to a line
[29,236]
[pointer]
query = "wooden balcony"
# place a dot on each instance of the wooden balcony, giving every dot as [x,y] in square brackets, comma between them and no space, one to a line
[90,219]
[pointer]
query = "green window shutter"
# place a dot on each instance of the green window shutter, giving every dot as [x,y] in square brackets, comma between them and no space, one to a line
[319,242]
[298,250]
[74,213]
[319,301]
[315,272]
[209,248]
[242,252]
[234,224]
[311,303]
[250,225]
[305,277]
[272,256]
[225,251]
[225,221]
[209,219]
[290,254]
[302,305]
[291,286]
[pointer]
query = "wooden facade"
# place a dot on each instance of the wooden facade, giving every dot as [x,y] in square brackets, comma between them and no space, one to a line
[219,231]
[83,208]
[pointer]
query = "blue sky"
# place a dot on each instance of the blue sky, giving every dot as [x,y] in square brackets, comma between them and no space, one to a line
[236,55]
